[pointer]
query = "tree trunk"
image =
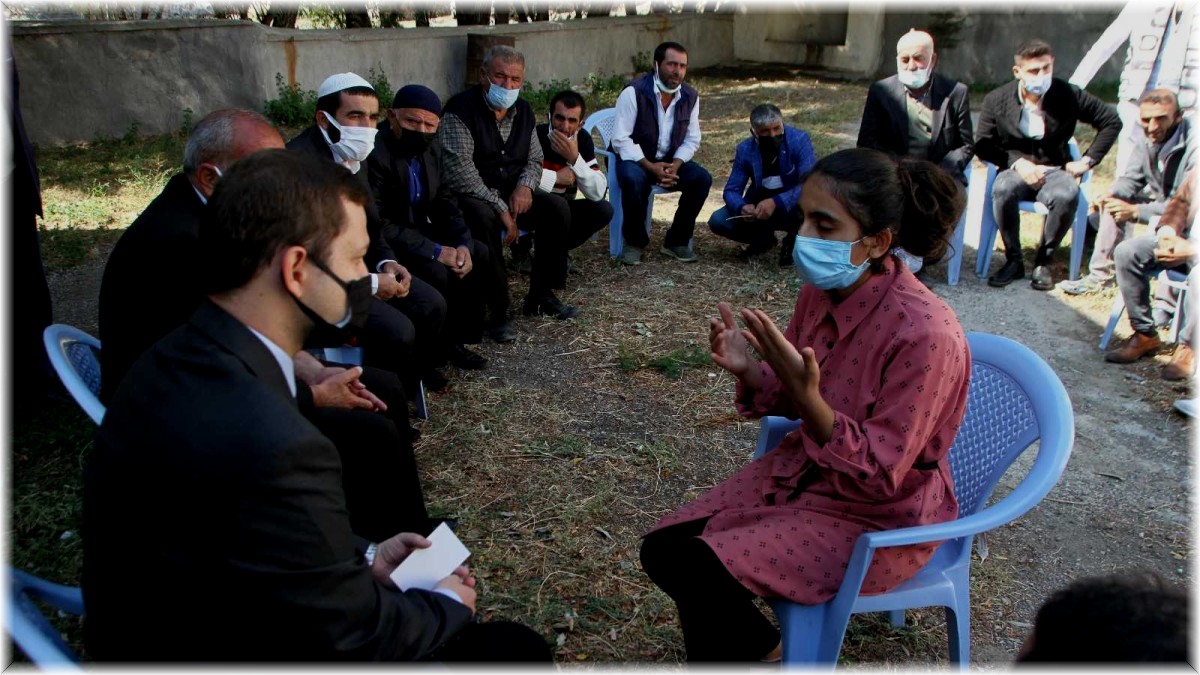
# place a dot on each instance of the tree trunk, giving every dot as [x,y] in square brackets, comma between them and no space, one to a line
[283,17]
[473,12]
[356,15]
[390,18]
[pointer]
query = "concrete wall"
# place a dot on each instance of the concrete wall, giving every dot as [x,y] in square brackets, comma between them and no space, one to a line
[988,40]
[83,79]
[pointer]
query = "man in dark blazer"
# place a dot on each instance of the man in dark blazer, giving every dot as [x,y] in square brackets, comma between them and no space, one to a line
[216,527]
[380,471]
[918,112]
[422,222]
[405,326]
[1024,130]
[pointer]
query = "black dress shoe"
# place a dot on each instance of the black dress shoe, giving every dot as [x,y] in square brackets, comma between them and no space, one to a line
[548,305]
[463,357]
[502,333]
[1012,270]
[434,380]
[1041,281]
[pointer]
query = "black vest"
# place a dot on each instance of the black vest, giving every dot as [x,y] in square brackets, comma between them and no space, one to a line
[500,164]
[645,126]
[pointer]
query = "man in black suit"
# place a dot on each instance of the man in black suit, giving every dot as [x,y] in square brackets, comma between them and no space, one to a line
[918,112]
[381,478]
[422,221]
[405,326]
[1024,130]
[215,524]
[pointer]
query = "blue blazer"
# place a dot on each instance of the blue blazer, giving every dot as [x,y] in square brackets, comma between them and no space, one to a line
[796,160]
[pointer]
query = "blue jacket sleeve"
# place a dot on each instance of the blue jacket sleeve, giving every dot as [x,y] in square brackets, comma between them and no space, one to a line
[735,187]
[804,159]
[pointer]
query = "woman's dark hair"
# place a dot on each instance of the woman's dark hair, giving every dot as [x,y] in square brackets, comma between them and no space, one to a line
[916,200]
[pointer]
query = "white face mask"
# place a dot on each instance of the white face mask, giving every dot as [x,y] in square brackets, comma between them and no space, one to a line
[913,79]
[354,144]
[1036,85]
[662,87]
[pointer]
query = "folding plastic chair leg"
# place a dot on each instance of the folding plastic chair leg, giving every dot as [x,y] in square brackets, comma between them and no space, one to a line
[959,633]
[1114,316]
[956,255]
[801,626]
[1078,234]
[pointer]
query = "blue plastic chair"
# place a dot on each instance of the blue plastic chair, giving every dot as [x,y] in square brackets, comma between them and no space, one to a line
[1173,278]
[75,356]
[602,122]
[988,228]
[30,630]
[1014,399]
[956,239]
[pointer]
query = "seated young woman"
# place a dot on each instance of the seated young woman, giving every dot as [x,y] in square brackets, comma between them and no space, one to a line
[876,367]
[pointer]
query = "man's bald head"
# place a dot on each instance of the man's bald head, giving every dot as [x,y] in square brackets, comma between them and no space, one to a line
[222,138]
[915,38]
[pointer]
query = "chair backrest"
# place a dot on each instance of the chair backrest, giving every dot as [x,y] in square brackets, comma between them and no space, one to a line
[1014,399]
[602,121]
[30,630]
[75,356]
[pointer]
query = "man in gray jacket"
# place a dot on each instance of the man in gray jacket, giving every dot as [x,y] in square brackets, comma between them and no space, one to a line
[1160,161]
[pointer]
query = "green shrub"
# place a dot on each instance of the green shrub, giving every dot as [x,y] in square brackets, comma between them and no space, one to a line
[295,107]
[540,97]
[643,62]
[383,89]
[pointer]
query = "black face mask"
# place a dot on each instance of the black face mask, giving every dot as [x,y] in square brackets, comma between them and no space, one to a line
[414,143]
[358,305]
[769,145]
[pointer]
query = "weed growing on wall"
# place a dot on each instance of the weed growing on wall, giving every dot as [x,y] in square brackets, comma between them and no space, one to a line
[599,91]
[294,107]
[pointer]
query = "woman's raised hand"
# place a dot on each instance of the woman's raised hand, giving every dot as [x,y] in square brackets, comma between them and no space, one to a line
[727,343]
[798,370]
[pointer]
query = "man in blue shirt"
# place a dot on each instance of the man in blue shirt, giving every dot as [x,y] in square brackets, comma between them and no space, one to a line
[775,160]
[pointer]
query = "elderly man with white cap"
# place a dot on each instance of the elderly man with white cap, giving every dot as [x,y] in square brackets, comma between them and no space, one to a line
[406,320]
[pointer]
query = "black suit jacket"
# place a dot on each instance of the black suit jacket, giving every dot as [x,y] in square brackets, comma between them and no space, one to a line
[215,527]
[413,228]
[137,306]
[1000,141]
[311,141]
[885,122]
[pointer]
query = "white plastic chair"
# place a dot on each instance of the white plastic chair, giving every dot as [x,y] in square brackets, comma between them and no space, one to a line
[602,121]
[75,356]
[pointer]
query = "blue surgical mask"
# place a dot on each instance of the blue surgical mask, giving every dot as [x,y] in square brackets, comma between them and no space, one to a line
[825,263]
[1037,85]
[499,98]
[913,79]
[658,84]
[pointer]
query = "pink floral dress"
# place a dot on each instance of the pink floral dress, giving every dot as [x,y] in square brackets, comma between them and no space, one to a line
[894,368]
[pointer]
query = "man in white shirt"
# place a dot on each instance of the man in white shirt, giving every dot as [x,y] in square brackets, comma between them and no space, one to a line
[656,134]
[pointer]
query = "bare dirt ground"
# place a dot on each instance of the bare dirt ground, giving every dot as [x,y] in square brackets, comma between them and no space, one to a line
[580,435]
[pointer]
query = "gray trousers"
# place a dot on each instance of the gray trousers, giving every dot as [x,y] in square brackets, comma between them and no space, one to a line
[1136,266]
[1059,192]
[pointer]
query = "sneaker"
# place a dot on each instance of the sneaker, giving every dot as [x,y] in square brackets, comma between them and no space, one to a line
[1084,285]
[502,333]
[631,255]
[547,305]
[1187,406]
[755,249]
[680,253]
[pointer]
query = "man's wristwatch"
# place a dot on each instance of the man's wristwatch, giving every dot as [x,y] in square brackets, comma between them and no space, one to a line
[372,549]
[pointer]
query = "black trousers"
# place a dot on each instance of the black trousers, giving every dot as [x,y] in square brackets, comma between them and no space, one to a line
[31,313]
[1059,192]
[379,471]
[464,296]
[550,261]
[503,641]
[402,334]
[719,618]
[584,218]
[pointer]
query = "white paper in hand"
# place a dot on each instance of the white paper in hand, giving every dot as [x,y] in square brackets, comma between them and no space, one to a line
[425,567]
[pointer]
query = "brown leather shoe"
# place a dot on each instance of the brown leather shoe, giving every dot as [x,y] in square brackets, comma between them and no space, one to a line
[1182,364]
[1137,346]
